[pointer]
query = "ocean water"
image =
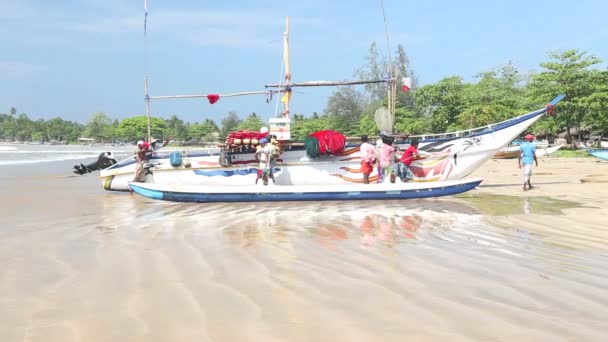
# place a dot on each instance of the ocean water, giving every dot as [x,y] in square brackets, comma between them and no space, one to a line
[80,263]
[33,154]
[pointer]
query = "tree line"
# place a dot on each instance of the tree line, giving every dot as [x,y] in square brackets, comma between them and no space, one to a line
[450,104]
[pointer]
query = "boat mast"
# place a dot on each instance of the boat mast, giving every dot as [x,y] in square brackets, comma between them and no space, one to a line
[392,74]
[286,98]
[146,95]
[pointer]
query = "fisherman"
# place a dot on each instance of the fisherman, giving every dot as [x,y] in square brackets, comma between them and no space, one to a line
[379,146]
[143,149]
[368,157]
[526,157]
[403,167]
[387,154]
[265,155]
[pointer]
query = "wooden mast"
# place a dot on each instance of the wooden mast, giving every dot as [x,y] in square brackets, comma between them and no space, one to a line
[286,97]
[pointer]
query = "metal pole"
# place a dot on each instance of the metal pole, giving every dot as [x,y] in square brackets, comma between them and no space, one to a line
[147,99]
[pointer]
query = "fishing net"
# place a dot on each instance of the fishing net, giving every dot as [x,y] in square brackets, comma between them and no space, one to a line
[326,141]
[384,120]
[312,146]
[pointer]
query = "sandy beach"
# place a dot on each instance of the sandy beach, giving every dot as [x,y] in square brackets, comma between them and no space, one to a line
[494,264]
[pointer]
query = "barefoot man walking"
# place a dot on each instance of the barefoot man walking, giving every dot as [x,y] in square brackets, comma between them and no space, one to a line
[526,157]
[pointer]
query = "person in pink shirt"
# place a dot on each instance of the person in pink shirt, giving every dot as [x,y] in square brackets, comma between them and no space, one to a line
[368,157]
[387,154]
[404,171]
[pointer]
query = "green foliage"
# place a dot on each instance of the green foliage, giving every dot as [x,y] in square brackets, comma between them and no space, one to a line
[374,70]
[206,131]
[450,104]
[301,127]
[597,103]
[136,128]
[407,121]
[229,123]
[253,123]
[344,109]
[568,72]
[176,128]
[443,102]
[367,125]
[97,127]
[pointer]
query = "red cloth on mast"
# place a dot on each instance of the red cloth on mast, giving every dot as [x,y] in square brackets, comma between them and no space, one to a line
[213,98]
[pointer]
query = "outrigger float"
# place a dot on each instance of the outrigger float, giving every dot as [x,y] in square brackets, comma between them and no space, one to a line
[256,193]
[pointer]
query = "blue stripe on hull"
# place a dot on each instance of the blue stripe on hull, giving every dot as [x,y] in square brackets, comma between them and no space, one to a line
[154,194]
[313,196]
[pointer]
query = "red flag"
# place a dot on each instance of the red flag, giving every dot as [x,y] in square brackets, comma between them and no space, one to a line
[213,98]
[407,83]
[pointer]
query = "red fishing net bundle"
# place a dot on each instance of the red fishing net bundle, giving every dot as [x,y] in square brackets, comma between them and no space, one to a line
[322,142]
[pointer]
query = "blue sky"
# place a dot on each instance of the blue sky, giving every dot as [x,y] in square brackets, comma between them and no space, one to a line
[74,58]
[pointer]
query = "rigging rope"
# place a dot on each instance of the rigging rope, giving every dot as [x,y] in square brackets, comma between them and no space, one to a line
[276,108]
[388,44]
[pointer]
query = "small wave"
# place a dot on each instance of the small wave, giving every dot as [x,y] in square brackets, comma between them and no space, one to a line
[95,152]
[47,160]
[7,148]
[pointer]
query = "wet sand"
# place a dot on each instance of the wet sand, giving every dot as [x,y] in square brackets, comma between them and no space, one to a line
[495,264]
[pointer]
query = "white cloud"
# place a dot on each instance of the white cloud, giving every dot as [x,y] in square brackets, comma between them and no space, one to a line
[253,29]
[20,69]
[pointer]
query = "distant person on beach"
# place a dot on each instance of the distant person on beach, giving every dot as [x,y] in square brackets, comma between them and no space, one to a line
[143,148]
[368,157]
[526,157]
[403,167]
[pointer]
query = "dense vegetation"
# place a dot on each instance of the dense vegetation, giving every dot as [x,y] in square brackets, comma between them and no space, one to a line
[450,104]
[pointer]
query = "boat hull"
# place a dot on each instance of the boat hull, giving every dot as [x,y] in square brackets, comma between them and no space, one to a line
[600,153]
[513,152]
[445,157]
[274,193]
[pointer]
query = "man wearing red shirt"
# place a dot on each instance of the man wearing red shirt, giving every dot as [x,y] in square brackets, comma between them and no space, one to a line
[405,173]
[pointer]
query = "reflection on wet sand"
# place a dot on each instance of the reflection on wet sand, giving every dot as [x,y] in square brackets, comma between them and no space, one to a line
[333,222]
[113,267]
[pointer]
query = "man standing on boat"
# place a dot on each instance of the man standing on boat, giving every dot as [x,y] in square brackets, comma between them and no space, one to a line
[265,155]
[156,145]
[526,157]
[143,148]
[403,167]
[368,157]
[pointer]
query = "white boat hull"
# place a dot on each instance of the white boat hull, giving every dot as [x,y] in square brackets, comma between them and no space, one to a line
[446,158]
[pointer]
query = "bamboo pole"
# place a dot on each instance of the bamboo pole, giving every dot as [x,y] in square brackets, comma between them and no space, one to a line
[147,99]
[193,96]
[287,93]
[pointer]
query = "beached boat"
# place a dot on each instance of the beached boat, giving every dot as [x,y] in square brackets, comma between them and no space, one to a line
[601,153]
[511,152]
[260,193]
[447,156]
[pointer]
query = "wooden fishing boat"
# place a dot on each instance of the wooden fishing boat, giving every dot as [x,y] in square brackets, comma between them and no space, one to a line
[260,193]
[448,156]
[511,152]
